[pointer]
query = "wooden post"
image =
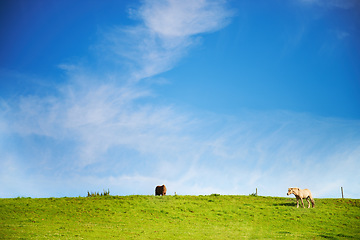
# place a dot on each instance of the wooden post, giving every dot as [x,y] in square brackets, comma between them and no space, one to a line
[342,192]
[256,192]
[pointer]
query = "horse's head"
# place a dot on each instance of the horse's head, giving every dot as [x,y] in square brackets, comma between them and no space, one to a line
[294,191]
[289,191]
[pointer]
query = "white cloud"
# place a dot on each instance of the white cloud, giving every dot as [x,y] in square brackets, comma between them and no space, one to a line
[91,115]
[175,19]
[188,152]
[342,34]
[103,132]
[343,4]
[168,30]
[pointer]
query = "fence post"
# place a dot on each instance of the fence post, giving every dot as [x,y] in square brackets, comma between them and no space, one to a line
[342,192]
[256,192]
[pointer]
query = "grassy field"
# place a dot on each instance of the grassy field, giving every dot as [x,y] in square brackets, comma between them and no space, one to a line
[177,217]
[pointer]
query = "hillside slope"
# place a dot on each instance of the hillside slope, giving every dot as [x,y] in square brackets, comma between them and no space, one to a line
[178,217]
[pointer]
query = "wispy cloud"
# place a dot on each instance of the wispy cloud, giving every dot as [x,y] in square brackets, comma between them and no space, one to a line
[119,144]
[334,36]
[343,4]
[98,122]
[173,19]
[166,31]
[106,131]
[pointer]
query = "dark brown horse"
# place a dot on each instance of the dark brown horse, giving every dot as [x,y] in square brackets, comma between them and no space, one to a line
[160,190]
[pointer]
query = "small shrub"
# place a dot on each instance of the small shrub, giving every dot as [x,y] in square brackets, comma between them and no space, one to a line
[94,194]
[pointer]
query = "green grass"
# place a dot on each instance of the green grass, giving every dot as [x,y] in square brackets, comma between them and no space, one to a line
[178,217]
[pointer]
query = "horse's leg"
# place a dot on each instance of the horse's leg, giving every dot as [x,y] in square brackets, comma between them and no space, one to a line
[297,202]
[308,201]
[302,202]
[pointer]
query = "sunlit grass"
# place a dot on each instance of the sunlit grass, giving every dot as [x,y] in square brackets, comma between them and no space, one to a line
[177,217]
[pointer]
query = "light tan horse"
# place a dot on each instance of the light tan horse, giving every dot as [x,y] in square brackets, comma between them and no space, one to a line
[300,194]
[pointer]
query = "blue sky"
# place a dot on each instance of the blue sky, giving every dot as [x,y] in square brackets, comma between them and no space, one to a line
[202,96]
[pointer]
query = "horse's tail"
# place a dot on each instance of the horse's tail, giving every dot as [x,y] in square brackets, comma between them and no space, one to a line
[312,202]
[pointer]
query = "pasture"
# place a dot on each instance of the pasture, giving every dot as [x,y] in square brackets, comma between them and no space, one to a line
[177,217]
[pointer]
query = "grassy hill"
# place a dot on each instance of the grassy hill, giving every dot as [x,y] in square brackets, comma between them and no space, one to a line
[178,217]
